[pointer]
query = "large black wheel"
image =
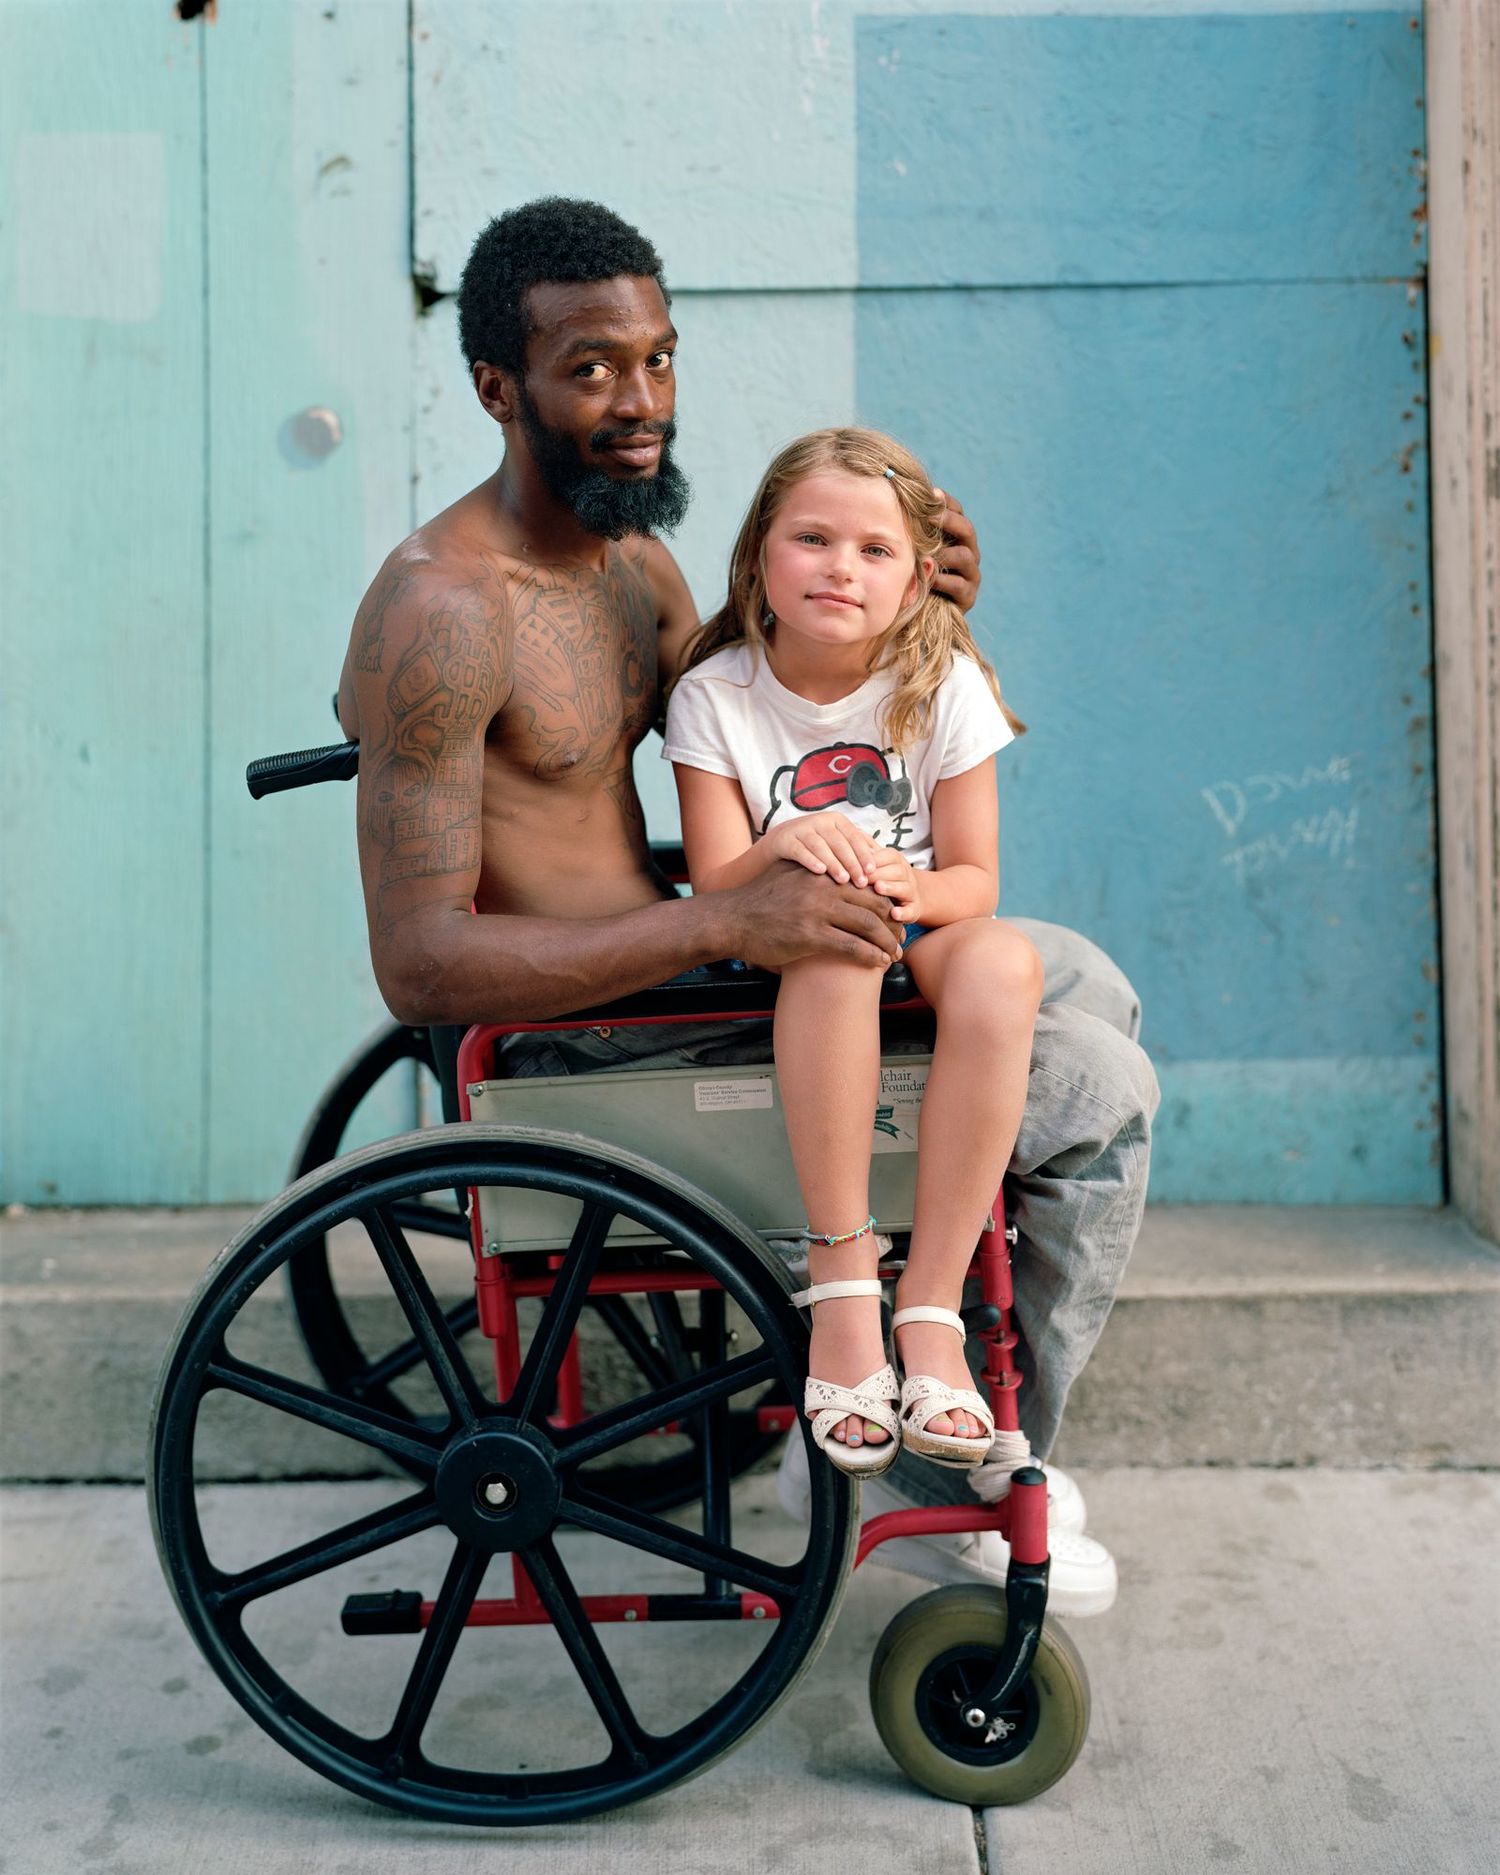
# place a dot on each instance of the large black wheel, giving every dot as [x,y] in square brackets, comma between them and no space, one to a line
[464,1722]
[929,1665]
[359,1344]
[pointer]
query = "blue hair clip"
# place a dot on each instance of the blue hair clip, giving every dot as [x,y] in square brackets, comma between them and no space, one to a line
[890,474]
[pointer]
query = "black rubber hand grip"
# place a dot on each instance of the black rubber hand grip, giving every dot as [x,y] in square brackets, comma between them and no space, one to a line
[300,768]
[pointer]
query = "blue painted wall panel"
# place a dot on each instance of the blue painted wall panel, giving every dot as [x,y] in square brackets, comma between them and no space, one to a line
[1205,591]
[310,307]
[102,675]
[1204,514]
[1018,151]
[726,130]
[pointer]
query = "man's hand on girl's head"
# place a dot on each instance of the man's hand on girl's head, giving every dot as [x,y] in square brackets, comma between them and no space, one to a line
[957,576]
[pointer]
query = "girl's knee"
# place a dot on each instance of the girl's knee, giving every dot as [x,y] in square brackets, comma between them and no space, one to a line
[1019,962]
[991,984]
[1003,961]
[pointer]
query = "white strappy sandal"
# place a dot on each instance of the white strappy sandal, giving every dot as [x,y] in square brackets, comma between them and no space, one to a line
[826,1404]
[923,1398]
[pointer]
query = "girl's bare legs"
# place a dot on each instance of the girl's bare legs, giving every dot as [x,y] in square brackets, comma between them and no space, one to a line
[984,979]
[827,1035]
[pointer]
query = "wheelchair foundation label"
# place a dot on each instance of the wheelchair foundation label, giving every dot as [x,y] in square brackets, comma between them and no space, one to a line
[721,1096]
[902,1085]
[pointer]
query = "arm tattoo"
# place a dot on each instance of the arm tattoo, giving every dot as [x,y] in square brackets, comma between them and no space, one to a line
[370,646]
[423,782]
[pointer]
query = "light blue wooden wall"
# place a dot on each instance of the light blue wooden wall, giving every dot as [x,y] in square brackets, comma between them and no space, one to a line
[206,234]
[104,680]
[1135,278]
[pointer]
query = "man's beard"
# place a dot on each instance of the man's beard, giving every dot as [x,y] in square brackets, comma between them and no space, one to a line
[601,505]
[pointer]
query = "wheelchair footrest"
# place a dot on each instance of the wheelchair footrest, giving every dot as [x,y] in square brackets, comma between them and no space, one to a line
[399,1612]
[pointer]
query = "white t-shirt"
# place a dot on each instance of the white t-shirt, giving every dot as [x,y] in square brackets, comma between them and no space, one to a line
[730,716]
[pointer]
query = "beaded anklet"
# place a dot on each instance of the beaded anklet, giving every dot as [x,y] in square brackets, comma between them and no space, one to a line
[848,1236]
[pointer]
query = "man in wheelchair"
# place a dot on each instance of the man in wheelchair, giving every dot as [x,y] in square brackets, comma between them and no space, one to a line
[503,667]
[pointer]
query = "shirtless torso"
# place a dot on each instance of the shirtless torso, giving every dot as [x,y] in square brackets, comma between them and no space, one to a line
[557,667]
[503,668]
[498,702]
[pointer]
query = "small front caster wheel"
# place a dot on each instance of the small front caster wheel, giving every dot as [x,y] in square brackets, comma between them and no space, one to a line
[934,1660]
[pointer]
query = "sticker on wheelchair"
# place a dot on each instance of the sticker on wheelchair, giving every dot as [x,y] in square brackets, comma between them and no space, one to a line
[722,1096]
[902,1085]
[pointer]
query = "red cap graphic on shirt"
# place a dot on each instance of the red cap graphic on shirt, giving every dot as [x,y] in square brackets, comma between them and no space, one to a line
[822,778]
[855,772]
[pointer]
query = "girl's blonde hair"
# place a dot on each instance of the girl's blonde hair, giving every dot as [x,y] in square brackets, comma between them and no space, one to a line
[923,638]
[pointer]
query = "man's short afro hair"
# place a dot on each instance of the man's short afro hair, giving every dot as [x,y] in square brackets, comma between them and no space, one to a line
[551,239]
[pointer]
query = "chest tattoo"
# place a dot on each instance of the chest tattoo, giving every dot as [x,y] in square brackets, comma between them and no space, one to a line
[584,665]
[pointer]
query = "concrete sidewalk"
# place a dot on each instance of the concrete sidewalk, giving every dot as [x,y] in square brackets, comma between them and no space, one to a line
[1299,1678]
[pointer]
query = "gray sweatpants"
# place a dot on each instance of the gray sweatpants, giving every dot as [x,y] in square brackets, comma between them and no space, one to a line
[1077,1178]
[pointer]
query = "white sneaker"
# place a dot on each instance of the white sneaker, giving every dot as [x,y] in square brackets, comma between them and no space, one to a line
[1082,1580]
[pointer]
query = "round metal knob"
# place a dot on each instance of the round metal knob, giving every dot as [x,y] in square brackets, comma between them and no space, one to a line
[311,435]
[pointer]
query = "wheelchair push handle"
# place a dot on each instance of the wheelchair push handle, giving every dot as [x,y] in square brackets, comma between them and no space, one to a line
[339,761]
[300,768]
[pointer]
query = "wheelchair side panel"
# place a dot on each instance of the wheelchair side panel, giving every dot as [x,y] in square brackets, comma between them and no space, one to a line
[720,1128]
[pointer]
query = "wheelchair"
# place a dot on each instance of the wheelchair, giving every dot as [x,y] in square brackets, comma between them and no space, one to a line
[377,1667]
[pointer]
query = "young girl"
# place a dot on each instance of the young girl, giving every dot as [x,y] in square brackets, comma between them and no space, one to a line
[838,713]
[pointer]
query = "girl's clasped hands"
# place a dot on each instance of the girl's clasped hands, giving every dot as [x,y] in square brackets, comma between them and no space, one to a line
[833,844]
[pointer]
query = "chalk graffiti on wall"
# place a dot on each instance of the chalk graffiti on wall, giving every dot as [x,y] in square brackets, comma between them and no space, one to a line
[1328,830]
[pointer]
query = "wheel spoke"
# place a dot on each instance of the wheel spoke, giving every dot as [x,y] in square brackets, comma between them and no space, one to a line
[397,1438]
[429,1325]
[576,1632]
[641,1531]
[666,1312]
[380,1527]
[538,1376]
[462,1317]
[622,1322]
[449,1613]
[618,1425]
[714,1439]
[429,1220]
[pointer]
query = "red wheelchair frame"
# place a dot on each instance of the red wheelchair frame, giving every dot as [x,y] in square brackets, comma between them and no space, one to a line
[1020,1517]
